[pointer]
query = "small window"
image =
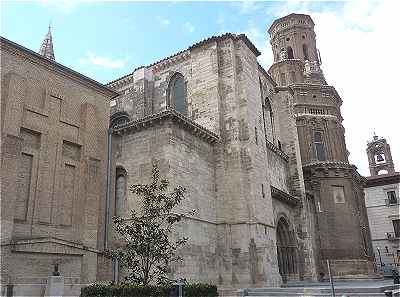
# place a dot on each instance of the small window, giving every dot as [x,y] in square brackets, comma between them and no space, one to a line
[262,191]
[293,77]
[256,134]
[319,146]
[290,52]
[392,197]
[305,52]
[338,194]
[120,188]
[283,79]
[396,227]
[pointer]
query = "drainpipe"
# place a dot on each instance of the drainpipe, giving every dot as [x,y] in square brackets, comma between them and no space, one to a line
[108,182]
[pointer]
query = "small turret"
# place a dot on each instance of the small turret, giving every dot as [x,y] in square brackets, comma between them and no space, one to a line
[46,49]
[379,156]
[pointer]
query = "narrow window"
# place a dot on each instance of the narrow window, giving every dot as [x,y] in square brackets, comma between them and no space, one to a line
[396,227]
[120,185]
[305,52]
[319,146]
[338,194]
[290,52]
[283,79]
[268,120]
[293,77]
[256,134]
[177,93]
[262,191]
[392,197]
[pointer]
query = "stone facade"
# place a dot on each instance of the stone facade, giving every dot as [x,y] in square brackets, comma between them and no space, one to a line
[259,174]
[382,201]
[333,186]
[274,200]
[54,125]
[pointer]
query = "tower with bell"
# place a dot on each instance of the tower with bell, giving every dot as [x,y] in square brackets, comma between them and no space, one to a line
[379,156]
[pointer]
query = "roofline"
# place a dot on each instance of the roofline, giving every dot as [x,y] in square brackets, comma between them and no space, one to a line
[287,17]
[267,75]
[7,44]
[381,180]
[242,37]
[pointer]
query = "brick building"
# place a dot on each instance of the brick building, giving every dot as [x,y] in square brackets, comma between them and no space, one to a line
[261,153]
[54,125]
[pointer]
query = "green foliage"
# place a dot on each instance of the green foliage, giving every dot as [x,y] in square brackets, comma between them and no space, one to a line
[191,290]
[147,250]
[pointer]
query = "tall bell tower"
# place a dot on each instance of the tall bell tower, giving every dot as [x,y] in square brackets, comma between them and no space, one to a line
[332,184]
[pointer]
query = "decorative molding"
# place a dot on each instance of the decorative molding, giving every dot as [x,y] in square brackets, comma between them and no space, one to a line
[173,115]
[276,150]
[284,197]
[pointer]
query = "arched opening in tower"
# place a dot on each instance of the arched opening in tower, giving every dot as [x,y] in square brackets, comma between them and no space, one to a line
[290,52]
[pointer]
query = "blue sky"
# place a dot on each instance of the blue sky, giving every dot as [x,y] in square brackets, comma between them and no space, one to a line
[130,34]
[106,40]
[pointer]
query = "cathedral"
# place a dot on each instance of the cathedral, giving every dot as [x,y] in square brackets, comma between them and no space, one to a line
[261,153]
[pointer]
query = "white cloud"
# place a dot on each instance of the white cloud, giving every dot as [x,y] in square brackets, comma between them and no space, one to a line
[359,49]
[246,6]
[163,21]
[106,62]
[64,6]
[189,27]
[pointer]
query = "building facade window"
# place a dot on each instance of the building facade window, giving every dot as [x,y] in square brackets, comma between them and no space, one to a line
[290,52]
[177,93]
[305,52]
[391,197]
[268,116]
[338,194]
[120,189]
[396,227]
[319,149]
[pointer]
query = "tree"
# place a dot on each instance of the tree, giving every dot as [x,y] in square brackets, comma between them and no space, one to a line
[147,249]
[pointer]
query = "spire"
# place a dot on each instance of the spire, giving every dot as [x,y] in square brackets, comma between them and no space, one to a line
[47,46]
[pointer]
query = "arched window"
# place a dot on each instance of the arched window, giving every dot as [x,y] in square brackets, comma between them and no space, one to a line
[290,52]
[119,118]
[120,189]
[305,52]
[319,149]
[268,116]
[177,93]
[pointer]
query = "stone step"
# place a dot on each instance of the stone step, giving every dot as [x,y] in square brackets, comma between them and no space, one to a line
[348,290]
[286,294]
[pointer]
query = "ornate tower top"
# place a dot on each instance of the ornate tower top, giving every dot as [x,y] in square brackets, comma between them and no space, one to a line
[46,49]
[379,156]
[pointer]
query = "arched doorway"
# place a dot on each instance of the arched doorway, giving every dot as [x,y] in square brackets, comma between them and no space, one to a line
[287,251]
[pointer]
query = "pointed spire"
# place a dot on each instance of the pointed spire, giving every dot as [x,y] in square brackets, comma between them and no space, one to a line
[47,46]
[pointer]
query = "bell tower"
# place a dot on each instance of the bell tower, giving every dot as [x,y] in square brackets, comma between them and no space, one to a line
[296,57]
[379,157]
[332,184]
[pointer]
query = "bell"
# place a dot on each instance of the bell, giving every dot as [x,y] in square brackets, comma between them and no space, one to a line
[379,158]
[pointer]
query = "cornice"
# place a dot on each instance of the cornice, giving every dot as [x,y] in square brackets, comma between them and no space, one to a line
[284,197]
[168,114]
[18,50]
[276,150]
[382,180]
